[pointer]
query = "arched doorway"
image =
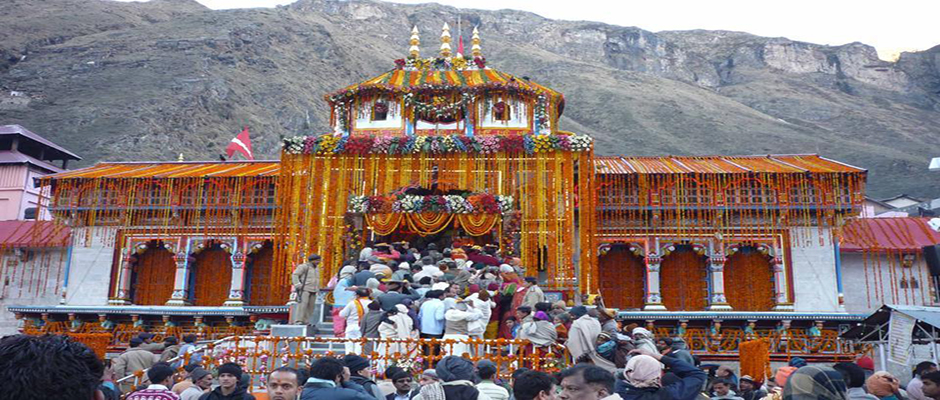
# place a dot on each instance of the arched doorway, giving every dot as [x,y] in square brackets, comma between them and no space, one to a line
[212,272]
[153,276]
[622,278]
[749,280]
[261,288]
[684,280]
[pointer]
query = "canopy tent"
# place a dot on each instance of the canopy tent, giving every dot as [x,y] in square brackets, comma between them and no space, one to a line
[875,329]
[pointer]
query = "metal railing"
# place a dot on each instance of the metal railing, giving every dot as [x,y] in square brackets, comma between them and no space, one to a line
[258,355]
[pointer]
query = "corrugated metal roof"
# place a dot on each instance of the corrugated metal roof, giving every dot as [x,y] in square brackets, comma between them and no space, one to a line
[19,130]
[796,163]
[33,234]
[170,170]
[887,234]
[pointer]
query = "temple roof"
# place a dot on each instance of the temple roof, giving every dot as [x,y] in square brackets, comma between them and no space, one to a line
[887,234]
[789,163]
[169,170]
[409,80]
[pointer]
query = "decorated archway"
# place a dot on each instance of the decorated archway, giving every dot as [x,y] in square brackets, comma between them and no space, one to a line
[622,276]
[153,275]
[212,274]
[684,279]
[749,279]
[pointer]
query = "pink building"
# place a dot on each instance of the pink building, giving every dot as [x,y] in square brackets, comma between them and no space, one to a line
[24,156]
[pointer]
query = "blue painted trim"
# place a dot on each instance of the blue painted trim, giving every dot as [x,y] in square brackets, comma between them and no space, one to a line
[68,265]
[838,267]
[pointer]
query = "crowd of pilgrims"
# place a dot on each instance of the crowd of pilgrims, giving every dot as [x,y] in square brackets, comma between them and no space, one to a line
[54,367]
[397,292]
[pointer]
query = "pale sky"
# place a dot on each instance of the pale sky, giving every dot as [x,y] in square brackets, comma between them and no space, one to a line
[889,25]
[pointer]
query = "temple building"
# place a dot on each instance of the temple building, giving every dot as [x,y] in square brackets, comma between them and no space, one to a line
[447,149]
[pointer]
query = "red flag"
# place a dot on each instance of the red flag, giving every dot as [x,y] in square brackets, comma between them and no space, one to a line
[241,144]
[460,45]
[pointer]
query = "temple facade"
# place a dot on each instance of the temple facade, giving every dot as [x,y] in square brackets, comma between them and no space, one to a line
[449,147]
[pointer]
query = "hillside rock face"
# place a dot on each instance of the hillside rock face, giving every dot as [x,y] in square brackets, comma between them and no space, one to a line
[142,81]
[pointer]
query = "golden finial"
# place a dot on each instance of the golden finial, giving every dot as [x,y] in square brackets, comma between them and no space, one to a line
[445,41]
[475,48]
[413,51]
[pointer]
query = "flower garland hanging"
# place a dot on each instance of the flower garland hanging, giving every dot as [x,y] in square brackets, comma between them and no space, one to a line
[473,203]
[483,144]
[436,106]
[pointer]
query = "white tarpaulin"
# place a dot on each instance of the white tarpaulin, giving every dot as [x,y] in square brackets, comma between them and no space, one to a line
[900,331]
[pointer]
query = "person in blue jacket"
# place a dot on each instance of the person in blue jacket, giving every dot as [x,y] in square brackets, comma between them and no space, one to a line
[644,372]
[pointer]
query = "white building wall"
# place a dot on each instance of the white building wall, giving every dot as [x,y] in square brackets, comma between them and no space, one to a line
[29,277]
[90,271]
[873,279]
[813,262]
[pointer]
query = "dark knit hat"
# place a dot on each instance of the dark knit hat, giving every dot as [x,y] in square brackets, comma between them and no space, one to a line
[198,374]
[230,368]
[355,363]
[578,311]
[396,373]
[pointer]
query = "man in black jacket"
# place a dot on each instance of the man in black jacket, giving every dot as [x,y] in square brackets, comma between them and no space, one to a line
[327,376]
[229,375]
[359,373]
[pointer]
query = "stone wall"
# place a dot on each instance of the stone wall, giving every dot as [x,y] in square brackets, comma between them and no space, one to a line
[814,270]
[30,277]
[871,280]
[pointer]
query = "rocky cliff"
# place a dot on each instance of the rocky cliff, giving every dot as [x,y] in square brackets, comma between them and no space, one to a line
[134,81]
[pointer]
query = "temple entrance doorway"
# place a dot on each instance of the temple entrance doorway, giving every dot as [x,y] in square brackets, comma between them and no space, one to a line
[260,287]
[684,280]
[212,276]
[153,276]
[749,280]
[622,278]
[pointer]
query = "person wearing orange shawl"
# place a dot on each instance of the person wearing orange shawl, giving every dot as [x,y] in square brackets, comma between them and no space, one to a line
[562,323]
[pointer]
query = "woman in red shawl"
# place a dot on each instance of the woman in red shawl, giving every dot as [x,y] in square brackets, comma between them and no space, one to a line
[507,299]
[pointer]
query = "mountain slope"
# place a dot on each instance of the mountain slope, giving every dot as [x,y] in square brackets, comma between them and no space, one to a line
[120,86]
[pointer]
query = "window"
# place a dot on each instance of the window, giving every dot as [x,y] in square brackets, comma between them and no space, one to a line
[29,213]
[380,111]
[803,195]
[688,195]
[914,283]
[751,195]
[502,111]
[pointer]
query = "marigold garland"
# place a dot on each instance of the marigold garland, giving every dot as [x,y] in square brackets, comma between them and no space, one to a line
[484,144]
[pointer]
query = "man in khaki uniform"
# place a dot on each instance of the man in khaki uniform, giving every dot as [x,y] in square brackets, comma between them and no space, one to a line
[132,360]
[306,281]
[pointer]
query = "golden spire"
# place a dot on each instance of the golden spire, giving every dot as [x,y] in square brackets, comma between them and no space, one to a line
[413,51]
[445,41]
[475,49]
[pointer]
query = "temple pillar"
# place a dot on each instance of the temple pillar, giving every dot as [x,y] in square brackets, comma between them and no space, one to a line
[716,274]
[180,296]
[780,285]
[123,292]
[654,300]
[236,296]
